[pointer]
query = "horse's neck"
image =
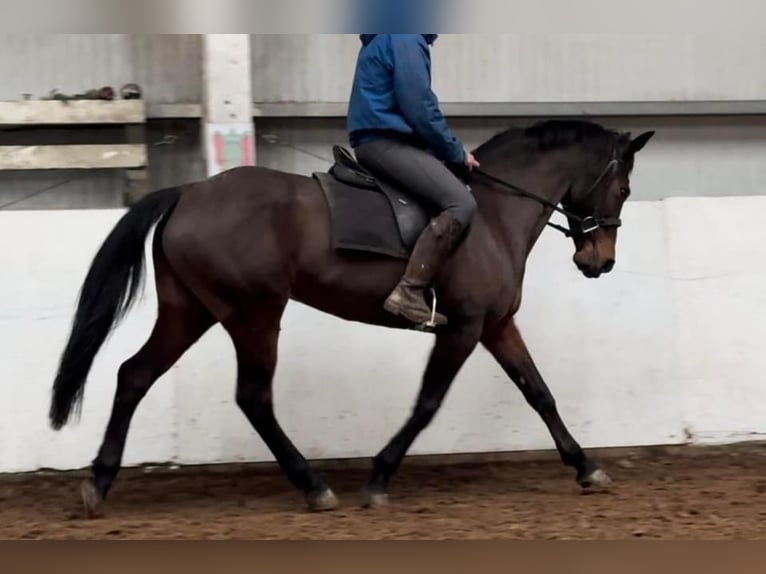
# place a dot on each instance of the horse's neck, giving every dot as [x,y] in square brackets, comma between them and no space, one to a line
[518,222]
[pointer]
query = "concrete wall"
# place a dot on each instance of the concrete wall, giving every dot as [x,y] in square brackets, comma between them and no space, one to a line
[167,66]
[530,67]
[692,156]
[667,346]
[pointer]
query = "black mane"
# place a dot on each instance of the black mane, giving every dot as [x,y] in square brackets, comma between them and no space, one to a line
[552,134]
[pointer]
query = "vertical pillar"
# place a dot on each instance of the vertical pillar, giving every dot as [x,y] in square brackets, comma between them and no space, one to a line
[228,130]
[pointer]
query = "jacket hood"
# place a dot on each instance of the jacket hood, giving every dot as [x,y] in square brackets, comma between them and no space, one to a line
[367,38]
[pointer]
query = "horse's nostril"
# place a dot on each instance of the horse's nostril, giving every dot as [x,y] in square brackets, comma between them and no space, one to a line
[608,266]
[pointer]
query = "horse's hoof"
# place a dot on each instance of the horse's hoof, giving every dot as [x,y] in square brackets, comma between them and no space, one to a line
[375,499]
[324,501]
[598,480]
[91,499]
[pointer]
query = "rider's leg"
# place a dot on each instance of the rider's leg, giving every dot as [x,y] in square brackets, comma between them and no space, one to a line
[428,179]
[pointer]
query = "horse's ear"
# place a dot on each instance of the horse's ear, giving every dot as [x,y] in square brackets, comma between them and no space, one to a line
[637,144]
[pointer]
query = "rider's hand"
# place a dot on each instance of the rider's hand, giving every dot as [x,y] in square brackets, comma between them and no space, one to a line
[471,162]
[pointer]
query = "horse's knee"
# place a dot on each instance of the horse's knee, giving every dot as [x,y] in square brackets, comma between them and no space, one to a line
[252,397]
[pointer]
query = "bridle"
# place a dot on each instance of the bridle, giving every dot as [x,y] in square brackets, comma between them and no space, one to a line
[585,225]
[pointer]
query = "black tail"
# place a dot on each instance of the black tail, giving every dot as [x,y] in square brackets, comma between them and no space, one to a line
[110,288]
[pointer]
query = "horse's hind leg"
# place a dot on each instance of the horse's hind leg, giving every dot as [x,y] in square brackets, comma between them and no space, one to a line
[255,333]
[181,321]
[453,347]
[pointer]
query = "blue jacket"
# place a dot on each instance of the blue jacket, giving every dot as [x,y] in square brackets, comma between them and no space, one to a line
[392,92]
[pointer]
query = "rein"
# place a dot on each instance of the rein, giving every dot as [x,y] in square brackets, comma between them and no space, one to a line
[585,225]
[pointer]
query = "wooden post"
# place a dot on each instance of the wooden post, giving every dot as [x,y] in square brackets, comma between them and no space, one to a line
[228,130]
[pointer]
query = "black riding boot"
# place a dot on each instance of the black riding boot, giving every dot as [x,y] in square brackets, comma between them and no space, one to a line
[431,250]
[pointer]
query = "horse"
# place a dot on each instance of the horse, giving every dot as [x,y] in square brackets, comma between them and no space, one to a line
[236,247]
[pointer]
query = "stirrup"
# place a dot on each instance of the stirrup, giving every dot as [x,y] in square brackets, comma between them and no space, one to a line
[431,324]
[427,325]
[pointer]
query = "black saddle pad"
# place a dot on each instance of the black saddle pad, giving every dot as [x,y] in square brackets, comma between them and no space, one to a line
[369,215]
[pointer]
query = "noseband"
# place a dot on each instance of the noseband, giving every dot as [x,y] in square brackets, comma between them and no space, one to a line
[584,225]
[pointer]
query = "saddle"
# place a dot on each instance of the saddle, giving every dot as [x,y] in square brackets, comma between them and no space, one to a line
[367,214]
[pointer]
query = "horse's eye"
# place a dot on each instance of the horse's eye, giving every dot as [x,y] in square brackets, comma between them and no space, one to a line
[625,192]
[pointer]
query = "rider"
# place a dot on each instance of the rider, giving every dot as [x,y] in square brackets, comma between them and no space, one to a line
[400,135]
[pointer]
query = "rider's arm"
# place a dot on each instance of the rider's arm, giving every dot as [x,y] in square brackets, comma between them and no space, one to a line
[417,101]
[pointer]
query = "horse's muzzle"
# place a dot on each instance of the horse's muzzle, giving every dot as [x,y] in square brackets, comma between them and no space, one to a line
[595,271]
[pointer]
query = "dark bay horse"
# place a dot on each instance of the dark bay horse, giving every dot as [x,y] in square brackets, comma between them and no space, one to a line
[235,248]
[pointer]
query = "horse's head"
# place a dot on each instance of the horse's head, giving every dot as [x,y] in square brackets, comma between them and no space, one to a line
[578,164]
[598,199]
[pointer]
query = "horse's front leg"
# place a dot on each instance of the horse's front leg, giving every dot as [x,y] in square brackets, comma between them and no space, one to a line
[507,346]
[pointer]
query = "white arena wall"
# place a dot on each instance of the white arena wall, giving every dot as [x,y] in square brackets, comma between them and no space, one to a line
[667,349]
